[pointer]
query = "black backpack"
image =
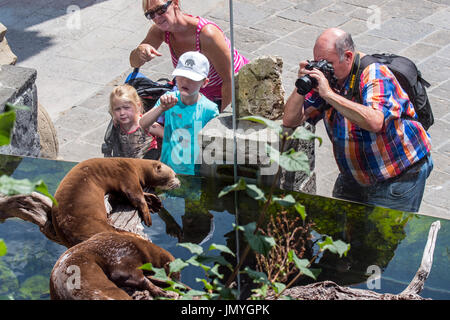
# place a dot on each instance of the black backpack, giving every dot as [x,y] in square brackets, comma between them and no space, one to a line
[148,90]
[410,80]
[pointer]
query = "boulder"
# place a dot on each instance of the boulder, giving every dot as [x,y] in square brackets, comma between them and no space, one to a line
[259,88]
[6,55]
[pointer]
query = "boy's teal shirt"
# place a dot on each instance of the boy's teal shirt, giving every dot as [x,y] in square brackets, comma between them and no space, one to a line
[180,149]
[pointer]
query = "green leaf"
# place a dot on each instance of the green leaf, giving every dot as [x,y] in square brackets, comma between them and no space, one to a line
[240,185]
[192,247]
[258,277]
[208,286]
[302,265]
[304,134]
[10,186]
[3,248]
[212,259]
[339,247]
[194,293]
[177,265]
[255,192]
[290,160]
[147,267]
[259,243]
[278,287]
[287,201]
[215,271]
[301,210]
[7,120]
[41,187]
[160,274]
[273,125]
[11,107]
[221,248]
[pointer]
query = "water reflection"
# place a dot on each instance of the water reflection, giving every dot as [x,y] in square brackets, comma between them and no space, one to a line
[392,240]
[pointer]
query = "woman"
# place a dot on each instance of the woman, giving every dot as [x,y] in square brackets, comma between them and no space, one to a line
[183,32]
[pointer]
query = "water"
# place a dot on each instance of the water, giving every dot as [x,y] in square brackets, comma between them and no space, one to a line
[392,241]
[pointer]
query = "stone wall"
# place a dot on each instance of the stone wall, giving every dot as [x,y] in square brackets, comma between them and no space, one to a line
[17,86]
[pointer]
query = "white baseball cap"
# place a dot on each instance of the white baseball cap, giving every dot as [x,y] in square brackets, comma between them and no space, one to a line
[192,65]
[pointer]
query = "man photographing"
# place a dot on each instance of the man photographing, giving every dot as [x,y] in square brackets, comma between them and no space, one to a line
[382,151]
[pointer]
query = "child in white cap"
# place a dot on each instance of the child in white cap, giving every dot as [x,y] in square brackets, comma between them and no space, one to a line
[186,111]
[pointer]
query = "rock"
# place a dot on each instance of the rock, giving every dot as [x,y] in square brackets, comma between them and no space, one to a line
[259,89]
[17,86]
[6,55]
[47,135]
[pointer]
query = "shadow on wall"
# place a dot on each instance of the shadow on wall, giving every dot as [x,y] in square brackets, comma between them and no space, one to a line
[55,18]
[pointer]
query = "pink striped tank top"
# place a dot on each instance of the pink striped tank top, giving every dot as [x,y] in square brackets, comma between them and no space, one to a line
[213,90]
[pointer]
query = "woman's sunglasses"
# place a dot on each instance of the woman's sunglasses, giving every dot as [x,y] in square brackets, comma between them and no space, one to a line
[150,14]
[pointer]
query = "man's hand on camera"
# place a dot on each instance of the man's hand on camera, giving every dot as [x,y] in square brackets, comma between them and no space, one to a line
[302,71]
[323,87]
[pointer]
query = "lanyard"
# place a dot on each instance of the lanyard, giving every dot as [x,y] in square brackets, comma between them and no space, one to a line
[353,76]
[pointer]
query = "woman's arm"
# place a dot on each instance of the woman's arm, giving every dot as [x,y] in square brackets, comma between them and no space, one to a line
[214,47]
[148,49]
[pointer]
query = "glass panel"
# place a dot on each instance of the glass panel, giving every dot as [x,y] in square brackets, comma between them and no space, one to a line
[391,240]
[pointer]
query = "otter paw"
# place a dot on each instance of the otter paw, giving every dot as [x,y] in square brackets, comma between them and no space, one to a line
[153,202]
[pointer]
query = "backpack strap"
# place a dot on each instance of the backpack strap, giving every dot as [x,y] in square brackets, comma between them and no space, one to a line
[363,63]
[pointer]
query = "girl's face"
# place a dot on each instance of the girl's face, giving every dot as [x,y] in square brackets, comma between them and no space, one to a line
[124,112]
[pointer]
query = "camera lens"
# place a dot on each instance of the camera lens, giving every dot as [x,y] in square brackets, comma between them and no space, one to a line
[305,84]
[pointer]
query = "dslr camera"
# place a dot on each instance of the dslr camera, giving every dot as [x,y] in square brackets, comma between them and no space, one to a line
[306,83]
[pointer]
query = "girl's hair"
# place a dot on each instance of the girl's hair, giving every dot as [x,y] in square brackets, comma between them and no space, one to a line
[127,93]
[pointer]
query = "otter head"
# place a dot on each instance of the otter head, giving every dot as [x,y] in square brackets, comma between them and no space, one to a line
[164,177]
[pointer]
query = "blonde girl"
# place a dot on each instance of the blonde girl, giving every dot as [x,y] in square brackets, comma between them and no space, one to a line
[129,139]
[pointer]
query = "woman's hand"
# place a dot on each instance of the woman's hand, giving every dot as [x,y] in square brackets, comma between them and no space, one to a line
[146,52]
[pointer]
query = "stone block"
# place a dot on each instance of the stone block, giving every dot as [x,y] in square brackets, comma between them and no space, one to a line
[6,55]
[259,88]
[17,86]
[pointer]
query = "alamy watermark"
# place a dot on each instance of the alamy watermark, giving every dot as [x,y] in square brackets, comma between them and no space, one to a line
[73,282]
[217,147]
[74,17]
[374,19]
[374,280]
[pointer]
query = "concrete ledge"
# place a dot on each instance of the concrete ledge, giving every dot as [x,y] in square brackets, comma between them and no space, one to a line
[17,86]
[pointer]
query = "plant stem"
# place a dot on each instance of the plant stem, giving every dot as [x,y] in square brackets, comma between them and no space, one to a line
[260,220]
[296,277]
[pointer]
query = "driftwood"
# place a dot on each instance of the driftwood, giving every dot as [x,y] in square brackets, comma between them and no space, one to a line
[36,208]
[328,290]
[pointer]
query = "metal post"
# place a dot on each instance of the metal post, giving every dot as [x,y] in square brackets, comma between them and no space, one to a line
[233,106]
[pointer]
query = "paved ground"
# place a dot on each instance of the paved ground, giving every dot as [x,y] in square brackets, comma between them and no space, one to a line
[81,48]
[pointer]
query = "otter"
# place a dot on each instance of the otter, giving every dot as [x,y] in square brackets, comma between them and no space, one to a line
[80,212]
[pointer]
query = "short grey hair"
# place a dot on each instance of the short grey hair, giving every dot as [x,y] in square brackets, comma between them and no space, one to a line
[344,43]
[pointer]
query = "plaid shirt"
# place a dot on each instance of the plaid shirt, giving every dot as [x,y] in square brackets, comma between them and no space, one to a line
[371,157]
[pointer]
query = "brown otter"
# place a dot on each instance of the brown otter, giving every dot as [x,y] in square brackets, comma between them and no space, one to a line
[97,267]
[81,211]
